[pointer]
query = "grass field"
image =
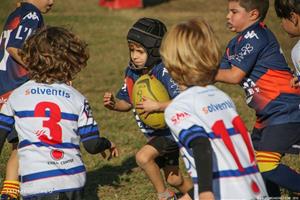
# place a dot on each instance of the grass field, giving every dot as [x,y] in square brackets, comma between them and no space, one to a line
[105,31]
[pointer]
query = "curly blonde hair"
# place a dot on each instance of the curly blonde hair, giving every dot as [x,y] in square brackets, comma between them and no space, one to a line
[54,54]
[191,53]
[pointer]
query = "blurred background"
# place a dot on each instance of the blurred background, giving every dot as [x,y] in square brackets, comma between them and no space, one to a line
[105,29]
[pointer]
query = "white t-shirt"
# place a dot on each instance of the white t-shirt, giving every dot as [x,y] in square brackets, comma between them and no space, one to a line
[51,120]
[209,112]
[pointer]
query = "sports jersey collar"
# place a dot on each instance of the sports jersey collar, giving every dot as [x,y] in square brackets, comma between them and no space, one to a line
[251,27]
[29,6]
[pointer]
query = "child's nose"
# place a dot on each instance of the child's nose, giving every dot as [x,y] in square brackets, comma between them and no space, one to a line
[228,15]
[135,55]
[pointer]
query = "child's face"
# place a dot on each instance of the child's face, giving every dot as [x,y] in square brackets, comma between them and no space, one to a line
[290,25]
[138,55]
[43,5]
[238,19]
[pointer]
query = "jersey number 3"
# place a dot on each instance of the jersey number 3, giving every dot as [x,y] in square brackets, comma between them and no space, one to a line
[51,110]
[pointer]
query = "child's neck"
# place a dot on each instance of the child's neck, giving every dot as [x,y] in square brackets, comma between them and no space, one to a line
[250,24]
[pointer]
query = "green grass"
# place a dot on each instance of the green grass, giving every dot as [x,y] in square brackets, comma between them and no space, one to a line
[105,31]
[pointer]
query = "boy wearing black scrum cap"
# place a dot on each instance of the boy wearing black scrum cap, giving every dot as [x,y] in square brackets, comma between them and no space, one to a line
[161,151]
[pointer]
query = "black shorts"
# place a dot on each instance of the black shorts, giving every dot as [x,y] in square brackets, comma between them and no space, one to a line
[168,151]
[282,138]
[71,195]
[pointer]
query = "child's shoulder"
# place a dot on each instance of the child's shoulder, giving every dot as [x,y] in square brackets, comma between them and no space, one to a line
[259,33]
[159,69]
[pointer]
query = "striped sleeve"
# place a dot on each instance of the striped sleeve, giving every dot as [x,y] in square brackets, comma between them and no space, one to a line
[87,126]
[186,136]
[7,117]
[6,123]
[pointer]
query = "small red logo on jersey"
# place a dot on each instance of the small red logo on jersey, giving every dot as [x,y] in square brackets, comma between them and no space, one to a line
[179,116]
[57,154]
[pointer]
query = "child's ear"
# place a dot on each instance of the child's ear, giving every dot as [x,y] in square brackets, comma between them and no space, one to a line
[294,18]
[254,15]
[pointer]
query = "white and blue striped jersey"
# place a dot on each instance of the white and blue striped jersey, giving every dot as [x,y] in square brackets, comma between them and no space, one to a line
[51,121]
[295,54]
[208,112]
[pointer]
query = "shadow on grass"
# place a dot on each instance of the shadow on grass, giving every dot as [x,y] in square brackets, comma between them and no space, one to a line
[107,175]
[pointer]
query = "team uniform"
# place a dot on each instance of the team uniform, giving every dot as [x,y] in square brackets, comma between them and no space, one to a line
[19,26]
[51,121]
[267,85]
[161,139]
[208,112]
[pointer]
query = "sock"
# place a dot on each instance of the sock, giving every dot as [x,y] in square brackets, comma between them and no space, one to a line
[273,189]
[267,161]
[284,177]
[11,188]
[166,194]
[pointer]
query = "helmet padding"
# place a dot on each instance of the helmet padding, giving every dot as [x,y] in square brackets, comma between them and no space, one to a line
[148,32]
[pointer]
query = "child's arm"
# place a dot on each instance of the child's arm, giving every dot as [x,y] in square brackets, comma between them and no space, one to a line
[203,164]
[234,75]
[111,103]
[3,135]
[6,123]
[148,106]
[14,52]
[89,133]
[100,144]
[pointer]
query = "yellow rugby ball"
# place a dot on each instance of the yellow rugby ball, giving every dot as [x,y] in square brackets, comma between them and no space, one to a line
[149,86]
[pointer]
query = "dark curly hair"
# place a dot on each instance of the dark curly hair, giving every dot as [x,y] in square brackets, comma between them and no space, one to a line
[54,54]
[284,8]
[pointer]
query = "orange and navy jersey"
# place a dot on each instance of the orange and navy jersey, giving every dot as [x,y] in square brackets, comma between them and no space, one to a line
[267,83]
[19,25]
[125,93]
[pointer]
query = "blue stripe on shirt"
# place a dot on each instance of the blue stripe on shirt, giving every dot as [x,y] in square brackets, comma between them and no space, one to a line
[187,135]
[29,197]
[235,173]
[52,173]
[87,129]
[7,129]
[232,173]
[90,138]
[25,143]
[6,119]
[66,116]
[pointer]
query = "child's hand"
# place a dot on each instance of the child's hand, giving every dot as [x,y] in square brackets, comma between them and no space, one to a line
[148,106]
[113,152]
[294,82]
[109,100]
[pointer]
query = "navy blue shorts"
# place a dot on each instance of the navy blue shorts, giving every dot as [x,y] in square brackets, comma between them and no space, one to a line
[282,138]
